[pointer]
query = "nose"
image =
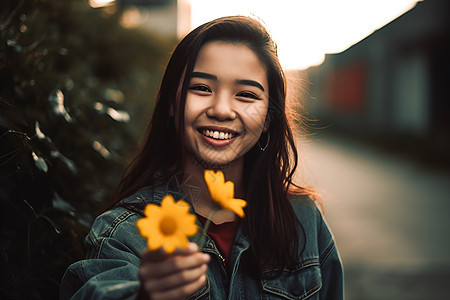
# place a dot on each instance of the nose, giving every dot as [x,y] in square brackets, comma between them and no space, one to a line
[221,107]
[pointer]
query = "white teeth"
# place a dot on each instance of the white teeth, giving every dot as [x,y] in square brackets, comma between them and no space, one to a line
[217,135]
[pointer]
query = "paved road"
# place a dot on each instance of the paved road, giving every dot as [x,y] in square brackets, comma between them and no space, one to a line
[390,217]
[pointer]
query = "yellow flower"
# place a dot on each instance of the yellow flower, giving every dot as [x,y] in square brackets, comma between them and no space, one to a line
[223,192]
[167,225]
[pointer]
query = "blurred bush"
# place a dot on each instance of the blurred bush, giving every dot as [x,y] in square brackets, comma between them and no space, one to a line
[76,91]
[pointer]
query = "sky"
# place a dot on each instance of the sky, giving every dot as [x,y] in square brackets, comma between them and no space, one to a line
[305,30]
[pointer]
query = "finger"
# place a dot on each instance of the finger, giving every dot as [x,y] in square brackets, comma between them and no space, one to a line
[177,279]
[160,254]
[180,292]
[178,263]
[173,265]
[191,248]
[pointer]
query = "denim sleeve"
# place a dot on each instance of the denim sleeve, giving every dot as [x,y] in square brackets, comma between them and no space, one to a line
[330,265]
[113,258]
[100,279]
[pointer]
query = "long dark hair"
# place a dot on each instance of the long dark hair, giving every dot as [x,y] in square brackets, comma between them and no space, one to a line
[270,222]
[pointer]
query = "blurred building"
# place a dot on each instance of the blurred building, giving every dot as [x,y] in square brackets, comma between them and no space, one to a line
[393,82]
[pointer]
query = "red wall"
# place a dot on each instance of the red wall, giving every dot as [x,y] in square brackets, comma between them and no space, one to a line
[345,88]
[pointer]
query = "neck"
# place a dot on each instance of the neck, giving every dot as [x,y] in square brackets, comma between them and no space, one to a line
[193,185]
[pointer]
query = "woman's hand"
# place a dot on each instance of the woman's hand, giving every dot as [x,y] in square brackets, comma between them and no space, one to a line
[173,276]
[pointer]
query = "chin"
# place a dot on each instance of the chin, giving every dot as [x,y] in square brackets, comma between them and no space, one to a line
[213,164]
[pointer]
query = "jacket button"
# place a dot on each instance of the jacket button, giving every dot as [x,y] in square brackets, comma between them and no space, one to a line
[297,290]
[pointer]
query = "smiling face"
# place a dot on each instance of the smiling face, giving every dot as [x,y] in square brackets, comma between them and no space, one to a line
[226,103]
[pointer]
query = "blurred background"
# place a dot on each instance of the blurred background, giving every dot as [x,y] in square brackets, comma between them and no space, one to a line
[78,79]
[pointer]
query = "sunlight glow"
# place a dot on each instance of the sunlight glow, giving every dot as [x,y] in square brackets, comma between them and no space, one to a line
[100,3]
[305,30]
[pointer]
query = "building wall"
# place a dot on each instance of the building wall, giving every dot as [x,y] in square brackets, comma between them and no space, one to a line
[411,95]
[392,81]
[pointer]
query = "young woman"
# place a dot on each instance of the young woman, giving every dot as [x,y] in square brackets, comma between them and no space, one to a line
[221,106]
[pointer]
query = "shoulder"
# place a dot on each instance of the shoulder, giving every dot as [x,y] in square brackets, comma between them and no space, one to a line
[307,213]
[314,267]
[305,208]
[118,225]
[318,235]
[304,201]
[120,215]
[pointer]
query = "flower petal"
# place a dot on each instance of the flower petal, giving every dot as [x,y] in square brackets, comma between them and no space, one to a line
[228,189]
[167,200]
[188,225]
[151,209]
[236,205]
[144,227]
[150,226]
[155,242]
[223,192]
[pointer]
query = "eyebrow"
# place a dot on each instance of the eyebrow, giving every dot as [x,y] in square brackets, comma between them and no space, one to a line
[250,82]
[239,81]
[204,76]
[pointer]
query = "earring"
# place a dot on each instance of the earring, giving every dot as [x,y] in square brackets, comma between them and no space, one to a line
[267,143]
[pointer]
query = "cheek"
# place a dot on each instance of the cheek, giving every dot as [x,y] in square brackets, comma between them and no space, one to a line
[190,111]
[255,117]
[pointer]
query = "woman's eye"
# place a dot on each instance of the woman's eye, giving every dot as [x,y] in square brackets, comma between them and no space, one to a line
[200,88]
[248,95]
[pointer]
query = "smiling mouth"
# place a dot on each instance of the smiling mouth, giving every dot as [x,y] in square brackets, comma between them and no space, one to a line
[218,135]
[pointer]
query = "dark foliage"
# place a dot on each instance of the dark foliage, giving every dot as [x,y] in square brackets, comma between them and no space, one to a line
[75,92]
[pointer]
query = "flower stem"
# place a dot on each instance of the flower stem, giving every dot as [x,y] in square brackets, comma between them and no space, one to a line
[205,228]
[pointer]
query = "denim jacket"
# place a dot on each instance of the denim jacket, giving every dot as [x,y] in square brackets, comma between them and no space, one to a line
[114,246]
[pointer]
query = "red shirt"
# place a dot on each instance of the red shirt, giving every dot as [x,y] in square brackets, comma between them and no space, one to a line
[222,234]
